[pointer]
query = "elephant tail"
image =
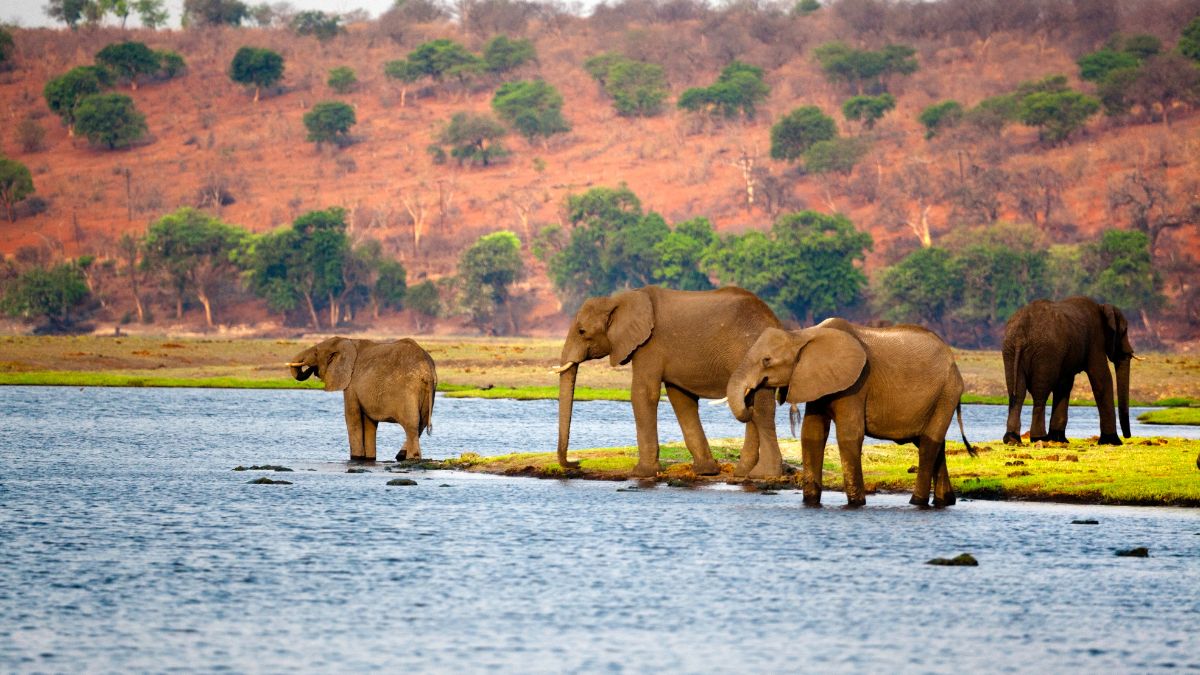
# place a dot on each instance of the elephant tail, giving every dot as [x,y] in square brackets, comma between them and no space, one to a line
[426,414]
[1012,379]
[793,418]
[970,450]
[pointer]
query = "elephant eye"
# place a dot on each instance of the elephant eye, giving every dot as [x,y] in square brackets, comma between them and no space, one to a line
[766,361]
[581,330]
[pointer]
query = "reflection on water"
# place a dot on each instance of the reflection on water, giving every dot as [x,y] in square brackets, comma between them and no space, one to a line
[128,544]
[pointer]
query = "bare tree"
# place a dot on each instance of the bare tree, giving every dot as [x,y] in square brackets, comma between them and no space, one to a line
[912,193]
[1148,203]
[1036,192]
[416,204]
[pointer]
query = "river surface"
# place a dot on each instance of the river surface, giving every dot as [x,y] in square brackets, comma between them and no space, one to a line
[128,544]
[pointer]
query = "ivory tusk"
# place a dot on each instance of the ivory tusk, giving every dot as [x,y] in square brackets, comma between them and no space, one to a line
[747,392]
[1137,358]
[295,365]
[563,368]
[721,401]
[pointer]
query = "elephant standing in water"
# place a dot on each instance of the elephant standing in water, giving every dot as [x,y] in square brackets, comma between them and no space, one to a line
[1045,345]
[690,341]
[381,382]
[898,383]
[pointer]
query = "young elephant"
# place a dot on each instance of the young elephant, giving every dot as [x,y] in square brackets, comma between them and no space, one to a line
[381,382]
[899,384]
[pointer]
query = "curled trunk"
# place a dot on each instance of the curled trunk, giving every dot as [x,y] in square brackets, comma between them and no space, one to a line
[736,392]
[1123,395]
[566,403]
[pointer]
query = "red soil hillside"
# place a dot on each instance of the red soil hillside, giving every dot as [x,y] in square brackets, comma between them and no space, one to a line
[207,133]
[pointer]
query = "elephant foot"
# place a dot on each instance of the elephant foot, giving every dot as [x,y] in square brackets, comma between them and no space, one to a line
[812,498]
[855,502]
[743,468]
[919,501]
[706,468]
[360,459]
[1011,438]
[942,502]
[1038,439]
[762,470]
[644,470]
[1058,437]
[1110,439]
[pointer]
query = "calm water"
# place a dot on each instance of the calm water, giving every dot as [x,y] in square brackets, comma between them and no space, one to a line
[127,544]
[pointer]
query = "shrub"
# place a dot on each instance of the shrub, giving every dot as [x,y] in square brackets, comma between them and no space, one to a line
[7,47]
[474,138]
[501,55]
[1189,40]
[64,93]
[1096,66]
[533,108]
[940,116]
[868,109]
[835,155]
[213,13]
[342,79]
[110,120]
[16,183]
[129,60]
[256,67]
[1057,114]
[323,26]
[792,135]
[30,135]
[329,122]
[171,64]
[738,90]
[58,296]
[638,89]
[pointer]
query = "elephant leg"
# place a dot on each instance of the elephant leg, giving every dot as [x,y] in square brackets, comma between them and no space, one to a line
[1102,390]
[943,489]
[369,426]
[412,443]
[928,450]
[850,441]
[1037,424]
[1058,411]
[1016,399]
[748,458]
[814,433]
[354,428]
[762,425]
[644,395]
[688,413]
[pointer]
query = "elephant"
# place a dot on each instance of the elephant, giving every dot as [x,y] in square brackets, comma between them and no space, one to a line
[689,341]
[1045,345]
[380,382]
[898,383]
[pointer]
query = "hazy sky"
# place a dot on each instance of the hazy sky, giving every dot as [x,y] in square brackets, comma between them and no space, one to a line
[30,13]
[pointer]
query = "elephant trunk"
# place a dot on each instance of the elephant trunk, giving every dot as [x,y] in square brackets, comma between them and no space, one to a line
[566,403]
[300,371]
[1123,394]
[738,391]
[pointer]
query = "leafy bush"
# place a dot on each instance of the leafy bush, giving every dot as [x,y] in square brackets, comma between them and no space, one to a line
[323,26]
[868,109]
[64,93]
[342,79]
[501,55]
[129,60]
[859,67]
[329,122]
[1189,40]
[442,58]
[533,108]
[1057,114]
[110,120]
[940,116]
[16,183]
[7,48]
[797,131]
[835,155]
[256,67]
[474,138]
[1096,66]
[637,88]
[214,13]
[738,91]
[57,296]
[171,64]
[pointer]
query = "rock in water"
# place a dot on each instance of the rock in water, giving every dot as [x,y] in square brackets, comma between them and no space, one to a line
[402,481]
[960,560]
[1139,552]
[1088,521]
[267,481]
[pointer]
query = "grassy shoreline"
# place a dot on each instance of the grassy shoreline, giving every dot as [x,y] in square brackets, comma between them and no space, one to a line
[1143,472]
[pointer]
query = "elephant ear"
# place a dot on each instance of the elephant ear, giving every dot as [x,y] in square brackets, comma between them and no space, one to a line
[1116,330]
[629,325]
[341,365]
[829,361]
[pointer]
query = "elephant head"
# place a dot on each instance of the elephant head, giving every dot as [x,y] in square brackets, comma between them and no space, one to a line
[1120,352]
[805,365]
[613,326]
[332,361]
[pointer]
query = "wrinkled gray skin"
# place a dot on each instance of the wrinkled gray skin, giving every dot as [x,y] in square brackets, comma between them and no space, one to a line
[898,383]
[1045,345]
[380,382]
[689,341]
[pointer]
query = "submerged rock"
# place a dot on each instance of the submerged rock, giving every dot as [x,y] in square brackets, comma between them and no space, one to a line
[357,469]
[1087,521]
[960,560]
[267,481]
[1139,552]
[402,481]
[261,467]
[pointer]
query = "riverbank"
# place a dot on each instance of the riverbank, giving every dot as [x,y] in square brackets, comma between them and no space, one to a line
[1189,415]
[467,367]
[1142,472]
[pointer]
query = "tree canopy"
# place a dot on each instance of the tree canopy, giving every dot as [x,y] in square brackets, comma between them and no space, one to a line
[129,60]
[194,252]
[64,93]
[501,54]
[110,120]
[637,88]
[738,91]
[16,183]
[256,67]
[321,25]
[474,139]
[329,122]
[868,109]
[486,272]
[795,132]
[214,13]
[533,108]
[57,296]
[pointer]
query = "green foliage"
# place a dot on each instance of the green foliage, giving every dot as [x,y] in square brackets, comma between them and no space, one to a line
[391,285]
[805,7]
[940,116]
[486,271]
[859,68]
[214,13]
[257,67]
[501,55]
[598,66]
[533,108]
[110,120]
[805,268]
[1096,66]
[922,288]
[303,265]
[7,47]
[323,26]
[868,109]
[835,155]
[16,183]
[1122,272]
[342,79]
[129,60]
[738,91]
[474,138]
[795,133]
[1189,40]
[329,122]
[403,70]
[992,114]
[1003,268]
[681,253]
[442,58]
[70,12]
[1114,91]
[57,296]
[64,93]
[171,64]
[152,13]
[424,299]
[1142,46]
[1057,114]
[194,252]
[637,89]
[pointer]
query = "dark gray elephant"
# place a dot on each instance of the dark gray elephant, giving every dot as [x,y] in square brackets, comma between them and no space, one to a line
[898,383]
[689,341]
[380,382]
[1045,345]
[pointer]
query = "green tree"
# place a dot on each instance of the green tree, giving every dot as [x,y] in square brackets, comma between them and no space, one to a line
[1189,40]
[7,48]
[474,138]
[171,64]
[835,155]
[795,132]
[680,256]
[993,114]
[858,68]
[129,60]
[64,93]
[1057,114]
[252,66]
[807,267]
[16,183]
[868,109]
[70,12]
[214,13]
[404,71]
[1142,46]
[486,272]
[738,91]
[637,89]
[195,253]
[600,65]
[1096,66]
[390,287]
[1003,267]
[922,288]
[425,301]
[442,58]
[320,25]
[329,122]
[110,120]
[342,79]
[501,55]
[533,108]
[1122,272]
[1162,81]
[303,265]
[1114,91]
[152,13]
[940,116]
[805,7]
[58,296]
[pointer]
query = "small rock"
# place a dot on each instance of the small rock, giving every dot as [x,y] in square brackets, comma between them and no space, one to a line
[675,482]
[1015,462]
[960,560]
[1139,552]
[357,469]
[912,469]
[1018,473]
[445,485]
[1087,521]
[402,481]
[261,467]
[267,481]
[767,492]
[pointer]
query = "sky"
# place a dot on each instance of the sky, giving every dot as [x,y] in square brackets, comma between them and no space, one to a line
[30,13]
